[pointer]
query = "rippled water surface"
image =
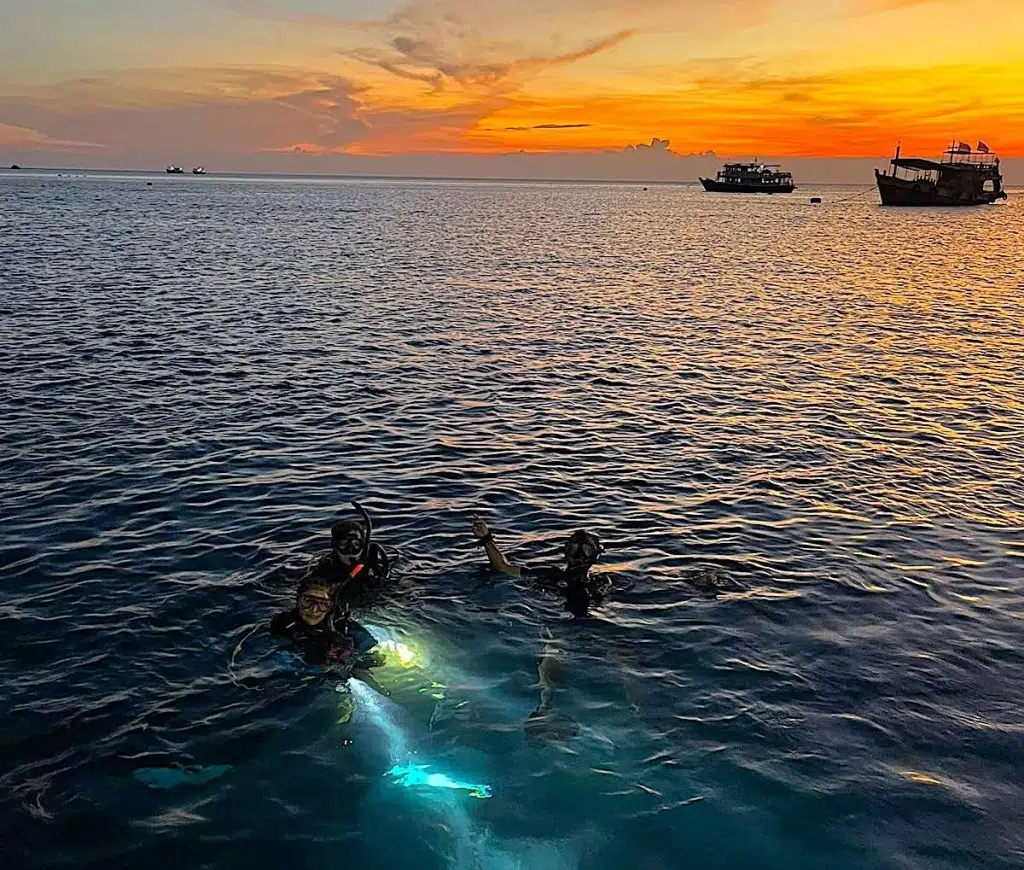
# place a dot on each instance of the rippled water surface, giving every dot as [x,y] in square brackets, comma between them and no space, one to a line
[824,402]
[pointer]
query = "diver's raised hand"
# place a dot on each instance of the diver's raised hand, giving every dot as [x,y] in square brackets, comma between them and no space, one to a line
[494,555]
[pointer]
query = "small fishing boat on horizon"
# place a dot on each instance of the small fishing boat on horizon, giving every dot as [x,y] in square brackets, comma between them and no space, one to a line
[198,170]
[750,178]
[965,176]
[175,170]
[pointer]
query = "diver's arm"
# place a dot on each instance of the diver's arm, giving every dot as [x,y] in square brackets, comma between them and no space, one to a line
[498,560]
[494,555]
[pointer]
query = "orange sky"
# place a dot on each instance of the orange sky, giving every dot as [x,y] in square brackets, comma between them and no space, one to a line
[353,77]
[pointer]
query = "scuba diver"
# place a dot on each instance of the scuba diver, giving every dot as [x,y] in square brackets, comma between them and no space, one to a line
[322,630]
[581,589]
[574,581]
[331,646]
[320,624]
[319,628]
[355,565]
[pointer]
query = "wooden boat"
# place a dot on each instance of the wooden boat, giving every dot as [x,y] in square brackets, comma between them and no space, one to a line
[964,176]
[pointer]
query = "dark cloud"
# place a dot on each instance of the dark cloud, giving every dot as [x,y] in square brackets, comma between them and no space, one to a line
[551,127]
[437,57]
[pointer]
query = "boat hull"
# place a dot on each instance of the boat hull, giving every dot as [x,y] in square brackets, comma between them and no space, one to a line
[713,186]
[903,192]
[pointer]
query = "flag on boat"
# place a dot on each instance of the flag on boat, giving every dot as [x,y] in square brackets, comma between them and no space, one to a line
[963,148]
[982,147]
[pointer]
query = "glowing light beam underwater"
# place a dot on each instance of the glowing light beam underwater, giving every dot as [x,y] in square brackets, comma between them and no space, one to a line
[404,772]
[411,775]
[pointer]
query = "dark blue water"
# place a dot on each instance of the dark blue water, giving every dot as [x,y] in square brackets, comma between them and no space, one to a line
[825,403]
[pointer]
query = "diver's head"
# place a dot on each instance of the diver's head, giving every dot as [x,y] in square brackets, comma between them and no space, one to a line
[314,603]
[582,550]
[348,537]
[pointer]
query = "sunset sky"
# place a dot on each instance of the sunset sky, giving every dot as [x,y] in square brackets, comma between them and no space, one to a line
[128,82]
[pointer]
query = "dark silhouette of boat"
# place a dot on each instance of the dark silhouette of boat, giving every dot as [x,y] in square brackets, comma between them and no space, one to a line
[964,176]
[15,166]
[750,178]
[198,170]
[175,170]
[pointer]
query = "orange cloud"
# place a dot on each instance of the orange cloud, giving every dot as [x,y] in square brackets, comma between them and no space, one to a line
[733,110]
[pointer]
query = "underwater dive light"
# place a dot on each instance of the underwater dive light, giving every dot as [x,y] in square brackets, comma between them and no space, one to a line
[401,652]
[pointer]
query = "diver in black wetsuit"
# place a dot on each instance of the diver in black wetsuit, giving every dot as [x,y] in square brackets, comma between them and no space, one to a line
[581,589]
[323,632]
[574,581]
[355,565]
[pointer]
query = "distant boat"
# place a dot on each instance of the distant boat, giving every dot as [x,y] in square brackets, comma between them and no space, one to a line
[964,176]
[175,170]
[199,170]
[750,178]
[15,166]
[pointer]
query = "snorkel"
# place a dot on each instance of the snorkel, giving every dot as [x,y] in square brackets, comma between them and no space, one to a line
[369,530]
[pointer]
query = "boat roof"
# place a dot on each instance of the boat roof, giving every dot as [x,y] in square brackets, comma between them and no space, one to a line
[921,163]
[916,163]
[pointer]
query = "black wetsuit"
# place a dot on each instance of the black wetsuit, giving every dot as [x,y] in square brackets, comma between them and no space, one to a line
[327,568]
[580,588]
[336,640]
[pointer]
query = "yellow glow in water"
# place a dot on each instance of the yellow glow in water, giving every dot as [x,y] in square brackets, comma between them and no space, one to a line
[406,655]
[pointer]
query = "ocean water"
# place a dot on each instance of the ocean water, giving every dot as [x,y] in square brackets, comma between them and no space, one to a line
[826,403]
